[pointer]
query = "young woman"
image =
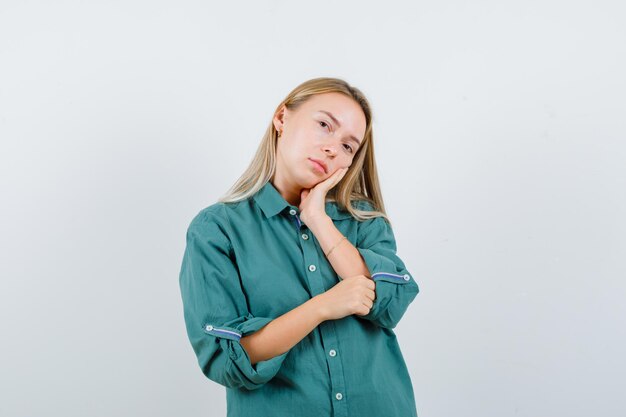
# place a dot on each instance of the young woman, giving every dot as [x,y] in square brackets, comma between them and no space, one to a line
[291,285]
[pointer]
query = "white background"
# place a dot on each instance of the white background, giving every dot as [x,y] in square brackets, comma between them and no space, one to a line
[500,136]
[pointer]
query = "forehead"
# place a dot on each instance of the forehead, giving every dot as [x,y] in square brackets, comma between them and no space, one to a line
[344,108]
[336,103]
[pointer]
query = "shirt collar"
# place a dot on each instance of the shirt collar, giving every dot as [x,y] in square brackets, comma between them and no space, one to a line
[272,202]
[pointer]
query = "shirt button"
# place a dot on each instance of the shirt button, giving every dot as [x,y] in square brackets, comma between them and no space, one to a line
[338,396]
[332,352]
[305,236]
[209,328]
[312,268]
[407,277]
[292,212]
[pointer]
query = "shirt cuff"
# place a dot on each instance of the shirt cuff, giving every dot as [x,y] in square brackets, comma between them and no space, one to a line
[239,369]
[395,289]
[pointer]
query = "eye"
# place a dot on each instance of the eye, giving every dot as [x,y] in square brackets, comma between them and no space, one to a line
[325,124]
[349,147]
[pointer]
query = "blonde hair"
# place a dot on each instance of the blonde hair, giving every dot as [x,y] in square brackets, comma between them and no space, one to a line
[359,183]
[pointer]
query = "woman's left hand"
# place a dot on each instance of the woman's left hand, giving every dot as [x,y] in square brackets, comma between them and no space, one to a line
[313,201]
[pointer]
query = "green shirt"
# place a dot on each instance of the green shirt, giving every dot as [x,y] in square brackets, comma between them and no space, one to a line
[250,262]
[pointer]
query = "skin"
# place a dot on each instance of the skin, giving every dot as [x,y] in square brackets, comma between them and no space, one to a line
[309,133]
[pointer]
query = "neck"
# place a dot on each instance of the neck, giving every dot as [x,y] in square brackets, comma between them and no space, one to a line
[289,191]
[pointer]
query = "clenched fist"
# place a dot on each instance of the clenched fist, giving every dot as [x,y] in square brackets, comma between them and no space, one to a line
[353,295]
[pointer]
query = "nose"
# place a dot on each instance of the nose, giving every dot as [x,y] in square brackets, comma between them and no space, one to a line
[330,150]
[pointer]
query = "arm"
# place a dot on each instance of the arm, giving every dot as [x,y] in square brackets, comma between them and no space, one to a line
[284,332]
[376,251]
[345,258]
[215,308]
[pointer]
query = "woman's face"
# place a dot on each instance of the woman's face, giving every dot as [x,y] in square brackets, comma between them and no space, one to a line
[328,128]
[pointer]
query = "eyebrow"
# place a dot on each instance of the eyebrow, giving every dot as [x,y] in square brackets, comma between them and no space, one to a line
[339,124]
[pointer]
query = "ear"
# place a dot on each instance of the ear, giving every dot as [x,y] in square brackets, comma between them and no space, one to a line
[279,119]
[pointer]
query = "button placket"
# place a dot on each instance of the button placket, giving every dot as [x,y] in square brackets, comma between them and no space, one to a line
[328,332]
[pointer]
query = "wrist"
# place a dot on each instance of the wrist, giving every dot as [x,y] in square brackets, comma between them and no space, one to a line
[319,220]
[318,308]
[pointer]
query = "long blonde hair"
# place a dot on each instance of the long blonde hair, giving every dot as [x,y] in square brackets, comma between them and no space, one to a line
[359,183]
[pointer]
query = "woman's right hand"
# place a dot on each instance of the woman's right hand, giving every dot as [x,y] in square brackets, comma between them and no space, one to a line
[353,295]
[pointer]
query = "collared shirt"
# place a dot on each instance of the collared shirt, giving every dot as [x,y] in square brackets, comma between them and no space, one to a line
[249,262]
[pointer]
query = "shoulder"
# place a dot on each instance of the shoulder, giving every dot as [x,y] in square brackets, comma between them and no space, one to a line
[217,212]
[364,205]
[222,216]
[340,212]
[212,213]
[370,213]
[211,219]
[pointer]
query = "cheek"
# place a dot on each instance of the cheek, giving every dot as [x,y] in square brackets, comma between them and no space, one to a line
[290,148]
[300,151]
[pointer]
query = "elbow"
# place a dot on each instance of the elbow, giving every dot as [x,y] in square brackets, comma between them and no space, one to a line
[246,345]
[229,365]
[218,368]
[226,372]
[390,319]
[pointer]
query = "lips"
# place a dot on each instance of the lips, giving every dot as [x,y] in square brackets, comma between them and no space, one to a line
[321,163]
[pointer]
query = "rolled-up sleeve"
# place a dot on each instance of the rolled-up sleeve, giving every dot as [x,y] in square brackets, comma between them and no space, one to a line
[395,286]
[215,308]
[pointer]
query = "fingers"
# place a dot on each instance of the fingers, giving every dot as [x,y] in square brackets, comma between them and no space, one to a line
[330,182]
[339,175]
[370,295]
[365,280]
[336,177]
[369,291]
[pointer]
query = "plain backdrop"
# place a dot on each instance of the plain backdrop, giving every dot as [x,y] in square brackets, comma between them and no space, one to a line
[500,137]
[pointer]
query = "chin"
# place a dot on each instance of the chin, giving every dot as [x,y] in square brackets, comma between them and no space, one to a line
[309,182]
[307,178]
